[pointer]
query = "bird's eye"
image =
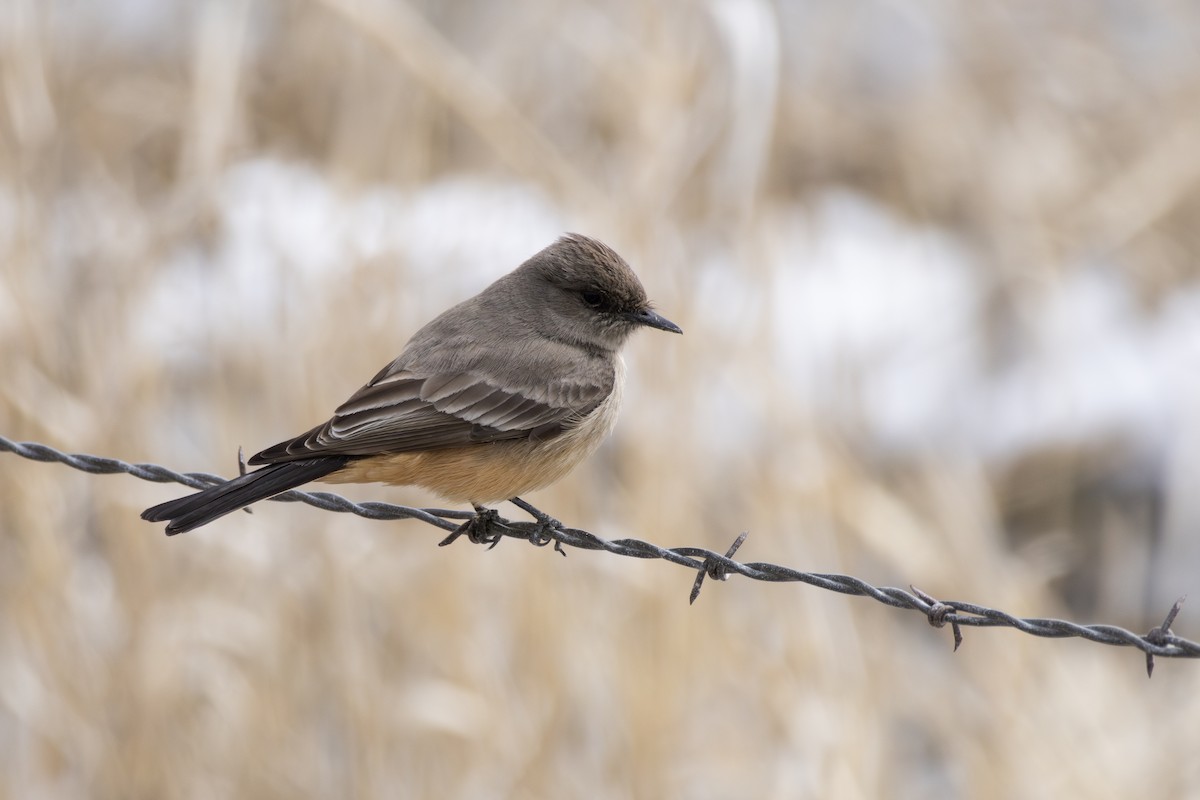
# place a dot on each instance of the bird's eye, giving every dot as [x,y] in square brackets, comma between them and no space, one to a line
[592,298]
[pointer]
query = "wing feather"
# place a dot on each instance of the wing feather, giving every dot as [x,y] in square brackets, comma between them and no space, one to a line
[405,412]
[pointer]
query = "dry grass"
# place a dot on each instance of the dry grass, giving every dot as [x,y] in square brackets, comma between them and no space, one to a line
[299,654]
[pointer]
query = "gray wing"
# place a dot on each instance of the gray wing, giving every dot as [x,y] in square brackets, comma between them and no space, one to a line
[405,412]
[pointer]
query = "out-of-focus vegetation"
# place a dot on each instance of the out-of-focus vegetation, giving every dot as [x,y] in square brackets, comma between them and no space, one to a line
[937,266]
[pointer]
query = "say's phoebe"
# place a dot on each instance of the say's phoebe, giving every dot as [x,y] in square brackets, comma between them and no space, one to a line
[500,395]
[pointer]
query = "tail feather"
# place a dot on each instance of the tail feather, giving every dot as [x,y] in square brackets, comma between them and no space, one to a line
[206,505]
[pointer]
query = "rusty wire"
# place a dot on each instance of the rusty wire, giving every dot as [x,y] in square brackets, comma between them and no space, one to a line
[1159,641]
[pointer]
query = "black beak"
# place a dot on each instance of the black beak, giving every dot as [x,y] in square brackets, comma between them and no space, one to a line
[652,320]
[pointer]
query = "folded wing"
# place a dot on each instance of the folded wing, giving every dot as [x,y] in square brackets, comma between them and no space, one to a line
[404,412]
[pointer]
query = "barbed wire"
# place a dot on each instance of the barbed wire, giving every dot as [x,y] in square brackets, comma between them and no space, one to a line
[490,528]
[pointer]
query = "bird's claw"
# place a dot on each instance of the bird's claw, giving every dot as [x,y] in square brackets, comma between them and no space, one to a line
[479,529]
[484,528]
[547,526]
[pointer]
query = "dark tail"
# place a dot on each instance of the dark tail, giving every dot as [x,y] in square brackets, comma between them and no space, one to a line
[204,506]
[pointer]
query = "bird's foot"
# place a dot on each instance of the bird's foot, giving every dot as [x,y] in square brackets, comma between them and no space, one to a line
[479,529]
[547,526]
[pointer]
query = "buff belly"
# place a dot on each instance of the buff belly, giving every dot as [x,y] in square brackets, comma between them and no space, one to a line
[491,472]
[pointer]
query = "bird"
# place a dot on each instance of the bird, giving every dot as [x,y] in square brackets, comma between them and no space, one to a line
[498,396]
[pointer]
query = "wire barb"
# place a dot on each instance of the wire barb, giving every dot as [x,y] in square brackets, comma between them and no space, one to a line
[1159,642]
[242,471]
[1162,633]
[715,569]
[939,613]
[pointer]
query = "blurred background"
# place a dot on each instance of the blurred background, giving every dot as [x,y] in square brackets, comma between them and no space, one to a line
[938,268]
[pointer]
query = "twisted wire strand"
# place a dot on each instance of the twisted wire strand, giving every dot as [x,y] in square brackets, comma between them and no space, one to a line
[1160,641]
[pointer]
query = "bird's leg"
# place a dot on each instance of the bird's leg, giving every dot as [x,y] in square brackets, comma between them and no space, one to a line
[546,524]
[478,528]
